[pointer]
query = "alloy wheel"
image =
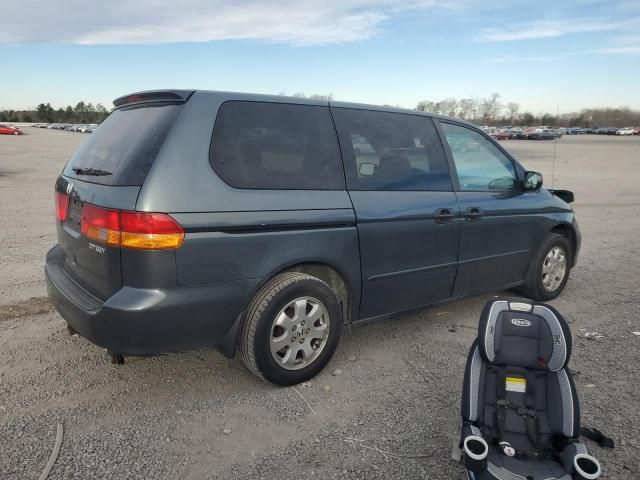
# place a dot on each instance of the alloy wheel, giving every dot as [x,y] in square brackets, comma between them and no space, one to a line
[554,269]
[299,333]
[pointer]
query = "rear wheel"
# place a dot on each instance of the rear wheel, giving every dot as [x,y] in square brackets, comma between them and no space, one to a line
[549,271]
[292,329]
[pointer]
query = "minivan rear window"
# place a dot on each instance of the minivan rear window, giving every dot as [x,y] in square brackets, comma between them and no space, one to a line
[122,149]
[262,145]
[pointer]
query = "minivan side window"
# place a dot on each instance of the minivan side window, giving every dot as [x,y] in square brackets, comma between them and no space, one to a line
[263,145]
[391,151]
[481,166]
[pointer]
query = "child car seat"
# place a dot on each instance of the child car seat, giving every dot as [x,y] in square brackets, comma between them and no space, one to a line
[520,411]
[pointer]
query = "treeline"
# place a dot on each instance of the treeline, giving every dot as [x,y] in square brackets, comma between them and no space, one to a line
[482,111]
[492,112]
[45,113]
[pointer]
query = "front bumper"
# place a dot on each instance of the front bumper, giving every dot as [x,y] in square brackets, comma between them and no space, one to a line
[136,321]
[578,234]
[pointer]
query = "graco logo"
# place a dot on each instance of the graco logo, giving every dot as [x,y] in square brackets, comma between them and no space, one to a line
[520,322]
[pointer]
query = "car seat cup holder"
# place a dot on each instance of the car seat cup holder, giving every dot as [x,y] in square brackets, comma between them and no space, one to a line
[586,467]
[476,451]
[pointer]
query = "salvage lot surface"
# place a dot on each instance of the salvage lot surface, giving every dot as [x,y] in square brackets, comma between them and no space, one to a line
[392,412]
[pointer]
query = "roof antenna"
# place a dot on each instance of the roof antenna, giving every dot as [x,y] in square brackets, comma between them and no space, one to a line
[555,148]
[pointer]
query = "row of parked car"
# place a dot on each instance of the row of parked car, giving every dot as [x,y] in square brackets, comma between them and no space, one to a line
[627,131]
[549,133]
[69,127]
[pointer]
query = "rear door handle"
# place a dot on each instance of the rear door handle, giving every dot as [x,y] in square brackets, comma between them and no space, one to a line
[473,214]
[443,215]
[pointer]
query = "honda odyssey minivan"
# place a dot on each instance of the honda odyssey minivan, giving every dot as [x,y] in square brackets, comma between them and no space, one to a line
[264,224]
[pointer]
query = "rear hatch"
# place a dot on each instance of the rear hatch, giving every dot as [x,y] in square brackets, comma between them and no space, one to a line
[101,183]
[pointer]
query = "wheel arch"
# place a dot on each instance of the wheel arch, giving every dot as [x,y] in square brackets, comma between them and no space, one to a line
[329,274]
[348,296]
[567,231]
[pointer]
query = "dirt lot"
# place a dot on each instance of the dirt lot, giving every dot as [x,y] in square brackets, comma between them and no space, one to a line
[391,413]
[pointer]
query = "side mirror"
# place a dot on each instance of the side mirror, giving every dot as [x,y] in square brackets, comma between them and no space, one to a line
[532,181]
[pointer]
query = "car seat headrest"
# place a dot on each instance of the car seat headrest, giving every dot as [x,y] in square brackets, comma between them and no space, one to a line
[394,164]
[524,334]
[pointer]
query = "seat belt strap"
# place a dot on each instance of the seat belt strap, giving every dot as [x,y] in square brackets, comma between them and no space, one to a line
[597,436]
[531,420]
[501,395]
[501,406]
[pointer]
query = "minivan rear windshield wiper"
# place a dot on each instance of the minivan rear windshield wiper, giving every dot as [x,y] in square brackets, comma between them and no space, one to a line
[96,172]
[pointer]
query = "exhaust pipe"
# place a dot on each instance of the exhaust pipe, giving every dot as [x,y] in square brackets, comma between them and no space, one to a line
[475,451]
[586,467]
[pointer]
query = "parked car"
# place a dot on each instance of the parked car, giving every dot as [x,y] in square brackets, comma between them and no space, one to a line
[625,131]
[500,135]
[9,130]
[556,132]
[540,133]
[606,131]
[518,134]
[246,222]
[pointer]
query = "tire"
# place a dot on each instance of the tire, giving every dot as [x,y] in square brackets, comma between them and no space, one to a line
[543,286]
[295,300]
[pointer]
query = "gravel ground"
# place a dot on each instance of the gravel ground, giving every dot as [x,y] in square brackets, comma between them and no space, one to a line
[390,412]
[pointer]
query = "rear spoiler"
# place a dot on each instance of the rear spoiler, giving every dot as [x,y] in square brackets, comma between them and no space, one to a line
[151,96]
[565,195]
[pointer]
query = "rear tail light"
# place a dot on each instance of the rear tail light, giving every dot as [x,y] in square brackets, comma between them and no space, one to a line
[101,224]
[138,230]
[150,231]
[62,206]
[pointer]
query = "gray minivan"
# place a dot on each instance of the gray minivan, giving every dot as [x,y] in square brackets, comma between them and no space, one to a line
[194,219]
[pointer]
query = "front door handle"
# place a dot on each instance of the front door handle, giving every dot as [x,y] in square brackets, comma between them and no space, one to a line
[443,215]
[473,214]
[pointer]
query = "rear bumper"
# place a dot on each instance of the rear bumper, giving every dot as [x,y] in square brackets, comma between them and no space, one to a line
[136,321]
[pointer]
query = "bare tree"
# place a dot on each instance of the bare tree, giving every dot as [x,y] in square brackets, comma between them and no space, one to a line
[448,106]
[513,109]
[318,96]
[489,107]
[425,106]
[467,109]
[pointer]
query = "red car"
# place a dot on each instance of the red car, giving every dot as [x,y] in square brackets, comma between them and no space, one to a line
[500,135]
[7,130]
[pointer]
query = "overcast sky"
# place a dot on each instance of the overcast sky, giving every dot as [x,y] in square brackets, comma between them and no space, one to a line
[541,54]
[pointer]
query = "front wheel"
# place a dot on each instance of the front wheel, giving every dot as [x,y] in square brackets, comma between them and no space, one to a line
[549,270]
[291,329]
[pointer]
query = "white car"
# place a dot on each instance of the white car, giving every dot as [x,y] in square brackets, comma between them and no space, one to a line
[625,131]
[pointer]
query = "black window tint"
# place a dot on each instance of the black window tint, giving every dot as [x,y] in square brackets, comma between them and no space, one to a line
[276,146]
[391,151]
[125,145]
[479,163]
